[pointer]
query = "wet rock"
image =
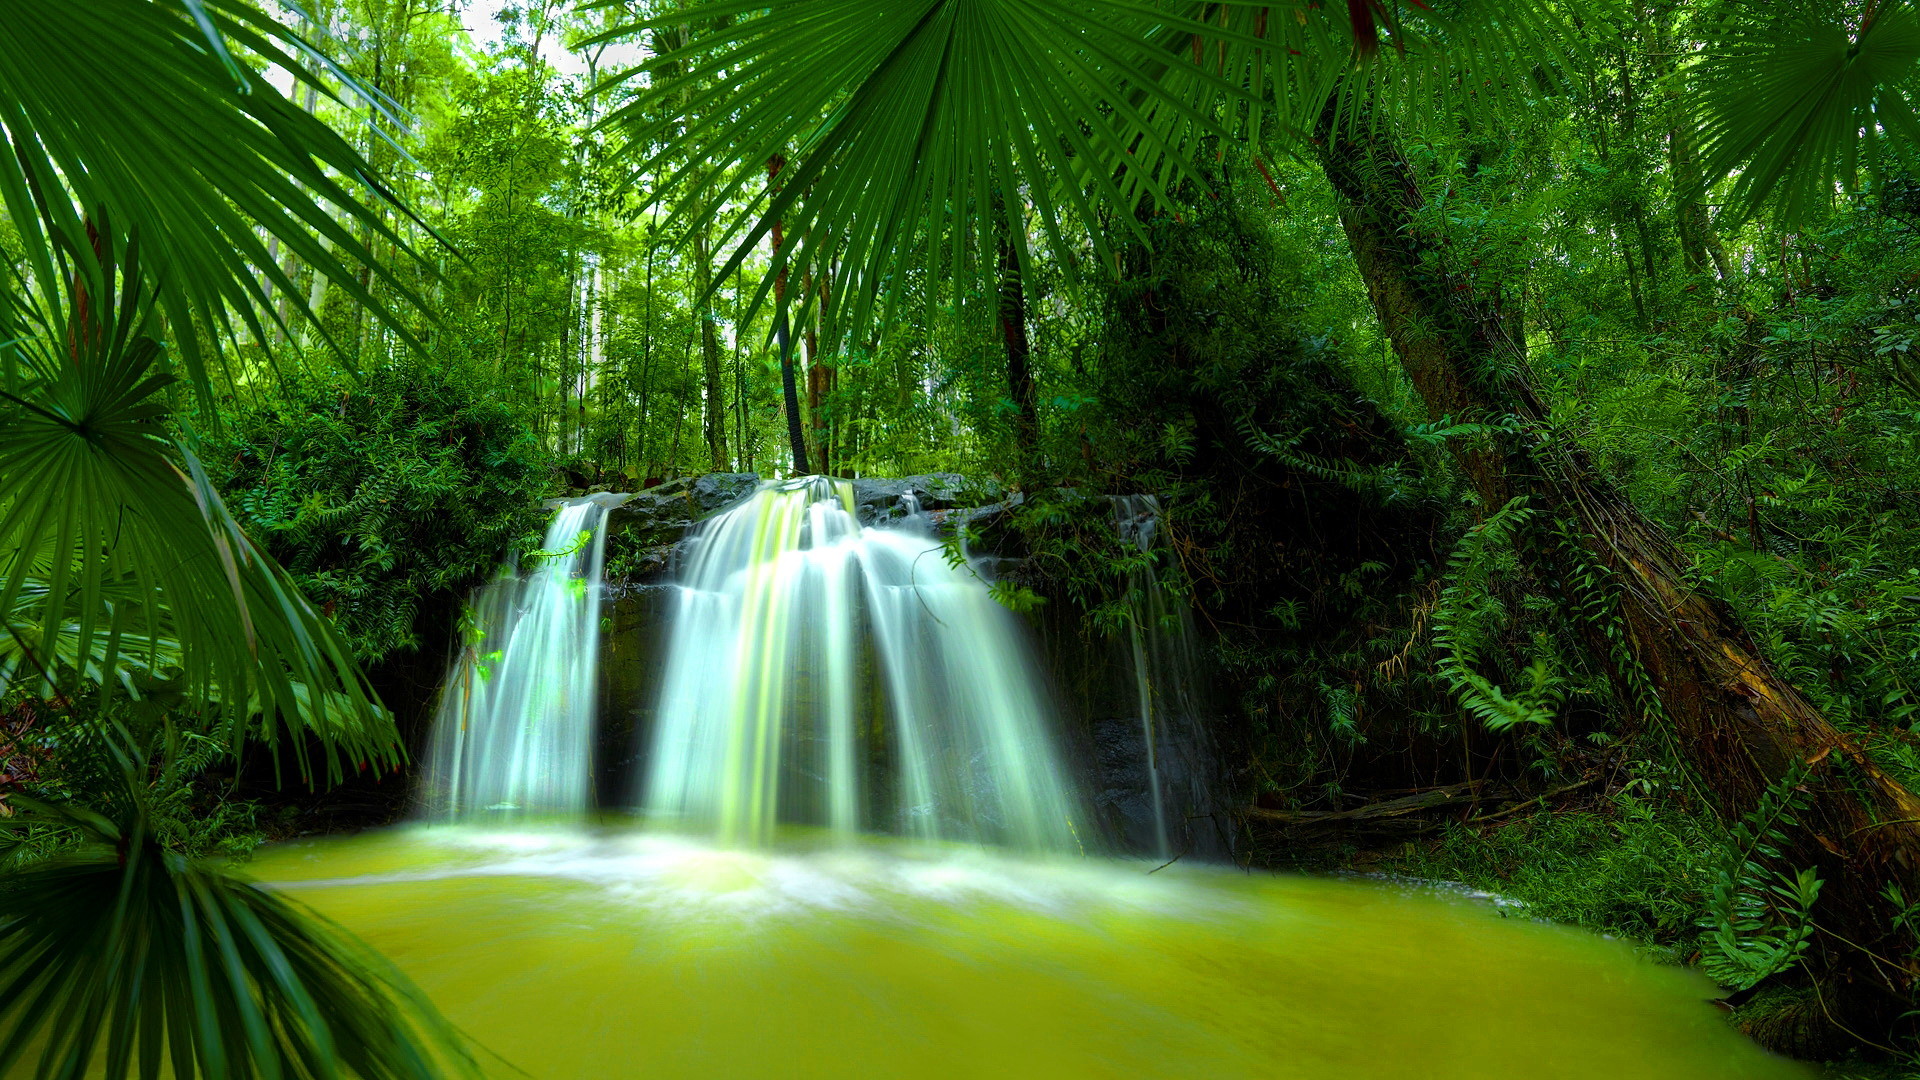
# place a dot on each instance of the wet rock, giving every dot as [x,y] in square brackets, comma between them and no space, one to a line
[649,520]
[643,533]
[989,529]
[881,499]
[715,492]
[660,516]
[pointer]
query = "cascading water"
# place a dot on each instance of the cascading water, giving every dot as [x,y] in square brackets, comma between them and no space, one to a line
[1160,645]
[827,674]
[514,733]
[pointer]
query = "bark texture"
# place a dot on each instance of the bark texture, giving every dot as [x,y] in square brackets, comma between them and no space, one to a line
[1739,725]
[716,389]
[819,380]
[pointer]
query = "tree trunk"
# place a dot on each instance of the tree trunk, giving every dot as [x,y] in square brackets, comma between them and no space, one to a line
[1699,243]
[783,340]
[819,384]
[1740,726]
[716,409]
[1013,335]
[646,361]
[742,441]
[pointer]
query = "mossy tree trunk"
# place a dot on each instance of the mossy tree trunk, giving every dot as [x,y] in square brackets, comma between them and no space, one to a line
[1740,726]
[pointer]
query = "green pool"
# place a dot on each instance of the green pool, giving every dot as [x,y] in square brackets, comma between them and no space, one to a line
[570,953]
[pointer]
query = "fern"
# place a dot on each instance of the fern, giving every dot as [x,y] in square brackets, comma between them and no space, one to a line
[1437,432]
[1596,604]
[1014,597]
[1343,712]
[379,493]
[1387,484]
[1759,919]
[1465,618]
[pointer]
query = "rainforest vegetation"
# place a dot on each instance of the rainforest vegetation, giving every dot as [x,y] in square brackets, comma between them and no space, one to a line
[1532,389]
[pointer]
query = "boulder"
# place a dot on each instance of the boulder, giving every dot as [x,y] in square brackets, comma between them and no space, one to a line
[659,516]
[883,499]
[715,492]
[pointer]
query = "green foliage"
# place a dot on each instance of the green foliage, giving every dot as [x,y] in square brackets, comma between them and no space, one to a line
[837,74]
[243,164]
[188,808]
[122,954]
[1385,483]
[1631,865]
[121,571]
[506,146]
[1748,377]
[385,492]
[1759,918]
[1638,865]
[157,180]
[1015,597]
[1802,98]
[1467,616]
[1087,109]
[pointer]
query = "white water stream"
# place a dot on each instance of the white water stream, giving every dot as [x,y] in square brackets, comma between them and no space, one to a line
[514,734]
[822,673]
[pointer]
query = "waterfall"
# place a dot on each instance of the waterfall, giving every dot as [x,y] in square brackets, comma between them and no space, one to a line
[1160,645]
[821,673]
[514,732]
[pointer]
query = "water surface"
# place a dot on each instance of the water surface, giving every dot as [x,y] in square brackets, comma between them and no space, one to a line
[573,954]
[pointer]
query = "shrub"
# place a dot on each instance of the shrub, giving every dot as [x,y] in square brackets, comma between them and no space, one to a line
[379,492]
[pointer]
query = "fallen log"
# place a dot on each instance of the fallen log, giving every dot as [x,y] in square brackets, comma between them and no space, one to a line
[1430,799]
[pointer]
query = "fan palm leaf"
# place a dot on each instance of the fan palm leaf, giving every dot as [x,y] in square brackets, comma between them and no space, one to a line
[123,957]
[146,111]
[118,557]
[1795,100]
[903,124]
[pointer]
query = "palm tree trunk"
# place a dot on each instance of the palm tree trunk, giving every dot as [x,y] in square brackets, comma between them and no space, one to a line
[1013,334]
[796,432]
[819,382]
[1738,724]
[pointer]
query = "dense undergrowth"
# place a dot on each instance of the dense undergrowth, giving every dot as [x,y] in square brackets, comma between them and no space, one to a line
[384,493]
[1620,865]
[1382,632]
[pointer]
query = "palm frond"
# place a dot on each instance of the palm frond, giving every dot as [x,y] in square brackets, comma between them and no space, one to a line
[905,125]
[120,956]
[1476,63]
[1797,100]
[117,554]
[140,110]
[901,125]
